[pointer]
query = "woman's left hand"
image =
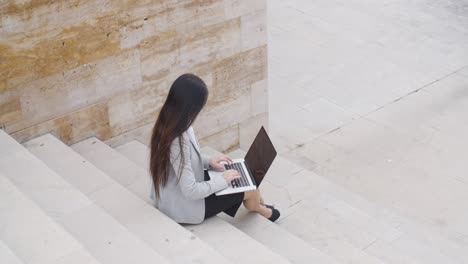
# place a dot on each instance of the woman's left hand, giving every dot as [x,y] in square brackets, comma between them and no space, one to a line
[215,163]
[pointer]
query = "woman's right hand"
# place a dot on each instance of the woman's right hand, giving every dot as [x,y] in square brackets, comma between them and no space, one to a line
[231,175]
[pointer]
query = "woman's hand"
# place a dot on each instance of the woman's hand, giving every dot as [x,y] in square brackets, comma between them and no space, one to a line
[215,163]
[231,175]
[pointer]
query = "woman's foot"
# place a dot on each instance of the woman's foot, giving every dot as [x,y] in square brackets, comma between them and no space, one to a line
[275,214]
[253,201]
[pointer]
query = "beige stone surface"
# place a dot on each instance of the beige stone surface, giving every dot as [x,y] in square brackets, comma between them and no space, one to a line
[103,68]
[224,141]
[249,128]
[259,97]
[254,29]
[377,105]
[141,134]
[85,85]
[93,120]
[235,8]
[222,116]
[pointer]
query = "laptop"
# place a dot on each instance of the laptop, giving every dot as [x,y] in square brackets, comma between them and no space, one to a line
[253,167]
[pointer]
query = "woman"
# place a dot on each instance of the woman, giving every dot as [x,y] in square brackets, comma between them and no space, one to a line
[183,190]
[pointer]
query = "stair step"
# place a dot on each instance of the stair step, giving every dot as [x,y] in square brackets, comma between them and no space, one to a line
[331,234]
[139,217]
[276,238]
[7,256]
[386,226]
[335,246]
[135,147]
[261,229]
[100,234]
[449,245]
[334,217]
[173,241]
[306,195]
[27,233]
[138,153]
[229,240]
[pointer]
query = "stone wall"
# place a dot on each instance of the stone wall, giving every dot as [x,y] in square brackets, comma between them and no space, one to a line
[103,67]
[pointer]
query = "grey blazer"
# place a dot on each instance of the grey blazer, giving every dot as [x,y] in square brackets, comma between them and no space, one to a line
[183,199]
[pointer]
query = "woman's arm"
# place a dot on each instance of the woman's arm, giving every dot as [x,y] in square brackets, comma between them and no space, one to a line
[189,186]
[206,161]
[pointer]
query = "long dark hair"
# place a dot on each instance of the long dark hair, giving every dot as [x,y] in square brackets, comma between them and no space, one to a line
[186,98]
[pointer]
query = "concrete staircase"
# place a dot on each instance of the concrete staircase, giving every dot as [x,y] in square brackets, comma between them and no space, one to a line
[89,203]
[7,256]
[30,235]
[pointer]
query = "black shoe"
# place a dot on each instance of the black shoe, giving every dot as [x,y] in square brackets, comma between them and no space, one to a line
[275,213]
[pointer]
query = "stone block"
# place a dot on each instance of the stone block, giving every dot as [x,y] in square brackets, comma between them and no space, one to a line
[136,108]
[103,68]
[224,141]
[117,74]
[10,111]
[211,43]
[169,54]
[233,76]
[259,97]
[249,128]
[72,90]
[141,134]
[236,8]
[184,17]
[254,29]
[215,119]
[40,55]
[71,128]
[30,16]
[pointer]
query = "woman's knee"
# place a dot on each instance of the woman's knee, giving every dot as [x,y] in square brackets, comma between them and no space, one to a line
[254,194]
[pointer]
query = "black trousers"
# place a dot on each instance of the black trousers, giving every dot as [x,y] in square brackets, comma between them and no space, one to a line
[228,204]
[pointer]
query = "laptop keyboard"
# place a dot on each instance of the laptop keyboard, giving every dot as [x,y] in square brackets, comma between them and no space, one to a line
[242,181]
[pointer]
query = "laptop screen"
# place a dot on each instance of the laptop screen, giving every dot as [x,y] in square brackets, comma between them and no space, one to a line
[260,156]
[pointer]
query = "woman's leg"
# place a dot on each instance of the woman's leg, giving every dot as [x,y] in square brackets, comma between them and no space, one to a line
[253,202]
[261,200]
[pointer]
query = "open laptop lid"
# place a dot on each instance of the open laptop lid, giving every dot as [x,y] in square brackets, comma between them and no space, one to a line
[260,156]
